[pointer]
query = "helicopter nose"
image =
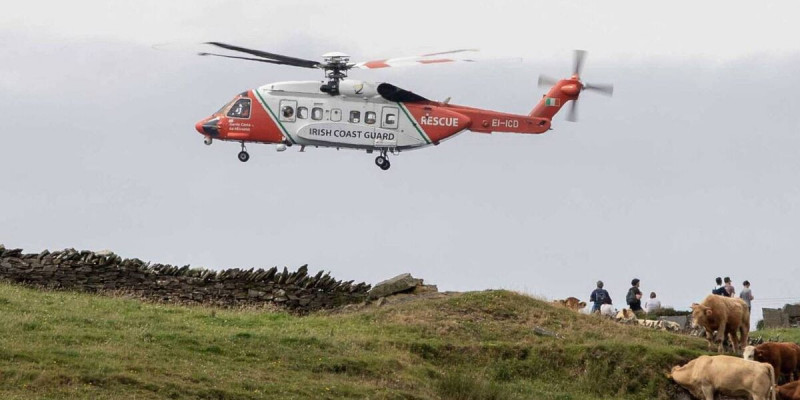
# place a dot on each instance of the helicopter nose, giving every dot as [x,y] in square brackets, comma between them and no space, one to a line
[208,126]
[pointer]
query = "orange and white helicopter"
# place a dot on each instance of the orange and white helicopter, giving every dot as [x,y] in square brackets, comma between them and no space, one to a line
[375,117]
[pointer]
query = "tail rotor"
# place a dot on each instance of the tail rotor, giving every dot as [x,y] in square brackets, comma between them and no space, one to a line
[574,82]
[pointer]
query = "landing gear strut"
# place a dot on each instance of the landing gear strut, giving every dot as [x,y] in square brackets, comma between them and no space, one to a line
[244,155]
[382,161]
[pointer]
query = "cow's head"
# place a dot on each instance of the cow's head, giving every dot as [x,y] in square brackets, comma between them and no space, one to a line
[749,353]
[759,354]
[582,305]
[700,314]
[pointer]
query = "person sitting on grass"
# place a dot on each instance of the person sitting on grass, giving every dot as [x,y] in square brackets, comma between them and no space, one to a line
[653,304]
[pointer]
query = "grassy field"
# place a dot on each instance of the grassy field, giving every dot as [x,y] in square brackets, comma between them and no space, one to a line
[478,345]
[784,334]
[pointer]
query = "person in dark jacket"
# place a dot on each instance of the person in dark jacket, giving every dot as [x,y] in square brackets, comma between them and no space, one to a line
[599,296]
[634,297]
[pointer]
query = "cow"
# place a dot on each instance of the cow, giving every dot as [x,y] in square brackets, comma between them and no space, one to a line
[784,357]
[573,303]
[748,353]
[626,314]
[705,376]
[789,391]
[726,315]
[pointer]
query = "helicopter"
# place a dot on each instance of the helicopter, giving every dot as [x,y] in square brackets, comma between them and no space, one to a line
[344,113]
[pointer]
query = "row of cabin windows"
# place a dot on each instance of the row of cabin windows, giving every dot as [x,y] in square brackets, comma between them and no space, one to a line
[317,113]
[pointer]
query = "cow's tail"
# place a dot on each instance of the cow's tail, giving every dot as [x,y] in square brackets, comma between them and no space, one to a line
[772,385]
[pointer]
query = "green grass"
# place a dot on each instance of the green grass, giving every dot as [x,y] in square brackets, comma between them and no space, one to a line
[477,345]
[785,334]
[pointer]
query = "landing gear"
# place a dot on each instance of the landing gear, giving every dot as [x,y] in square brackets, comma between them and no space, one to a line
[243,155]
[382,162]
[207,140]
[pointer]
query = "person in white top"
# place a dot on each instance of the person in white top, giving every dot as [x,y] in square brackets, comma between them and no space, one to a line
[653,304]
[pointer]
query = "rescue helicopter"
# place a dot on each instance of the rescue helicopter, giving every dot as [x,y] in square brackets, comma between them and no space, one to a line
[374,117]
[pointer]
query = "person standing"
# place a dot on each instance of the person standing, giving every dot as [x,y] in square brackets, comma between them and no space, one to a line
[718,289]
[599,296]
[729,287]
[634,297]
[746,294]
[653,304]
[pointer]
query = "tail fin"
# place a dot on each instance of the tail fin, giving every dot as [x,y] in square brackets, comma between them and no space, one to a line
[558,95]
[565,90]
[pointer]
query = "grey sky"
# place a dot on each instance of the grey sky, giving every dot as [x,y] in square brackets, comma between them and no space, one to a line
[688,173]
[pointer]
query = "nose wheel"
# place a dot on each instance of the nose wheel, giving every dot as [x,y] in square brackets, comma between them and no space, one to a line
[382,162]
[243,155]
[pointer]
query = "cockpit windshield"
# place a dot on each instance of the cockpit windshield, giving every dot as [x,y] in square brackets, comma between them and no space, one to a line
[240,109]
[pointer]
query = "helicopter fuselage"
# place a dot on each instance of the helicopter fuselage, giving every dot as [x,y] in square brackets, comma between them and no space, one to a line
[361,116]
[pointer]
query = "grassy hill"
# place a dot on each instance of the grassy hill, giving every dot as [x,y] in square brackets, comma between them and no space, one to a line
[478,345]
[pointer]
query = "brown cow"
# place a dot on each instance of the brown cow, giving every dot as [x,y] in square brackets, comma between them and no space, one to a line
[725,315]
[705,376]
[573,303]
[784,357]
[789,391]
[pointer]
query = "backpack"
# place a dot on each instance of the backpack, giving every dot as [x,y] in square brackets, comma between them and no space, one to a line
[631,297]
[600,296]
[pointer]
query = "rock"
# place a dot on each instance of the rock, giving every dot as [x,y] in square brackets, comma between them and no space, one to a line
[398,284]
[426,289]
[544,332]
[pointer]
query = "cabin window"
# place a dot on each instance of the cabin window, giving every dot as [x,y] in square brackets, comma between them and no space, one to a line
[370,117]
[302,112]
[355,116]
[336,115]
[389,117]
[240,109]
[286,110]
[316,113]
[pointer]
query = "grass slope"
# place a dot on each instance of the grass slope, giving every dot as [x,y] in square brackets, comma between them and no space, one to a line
[477,345]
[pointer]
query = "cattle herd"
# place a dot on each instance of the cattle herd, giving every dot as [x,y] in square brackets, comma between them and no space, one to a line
[726,318]
[755,374]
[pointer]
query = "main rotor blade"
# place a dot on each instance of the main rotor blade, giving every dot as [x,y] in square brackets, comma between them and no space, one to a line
[547,81]
[245,58]
[572,114]
[580,57]
[602,88]
[298,62]
[431,58]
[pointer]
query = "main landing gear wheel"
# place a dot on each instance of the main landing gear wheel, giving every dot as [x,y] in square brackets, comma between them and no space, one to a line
[382,162]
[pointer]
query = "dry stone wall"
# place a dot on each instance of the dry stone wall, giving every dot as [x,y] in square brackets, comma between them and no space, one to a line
[88,271]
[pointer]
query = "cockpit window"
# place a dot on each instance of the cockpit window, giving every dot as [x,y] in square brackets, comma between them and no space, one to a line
[240,109]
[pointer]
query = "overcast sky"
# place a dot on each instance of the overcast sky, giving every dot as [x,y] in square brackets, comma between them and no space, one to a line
[689,172]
